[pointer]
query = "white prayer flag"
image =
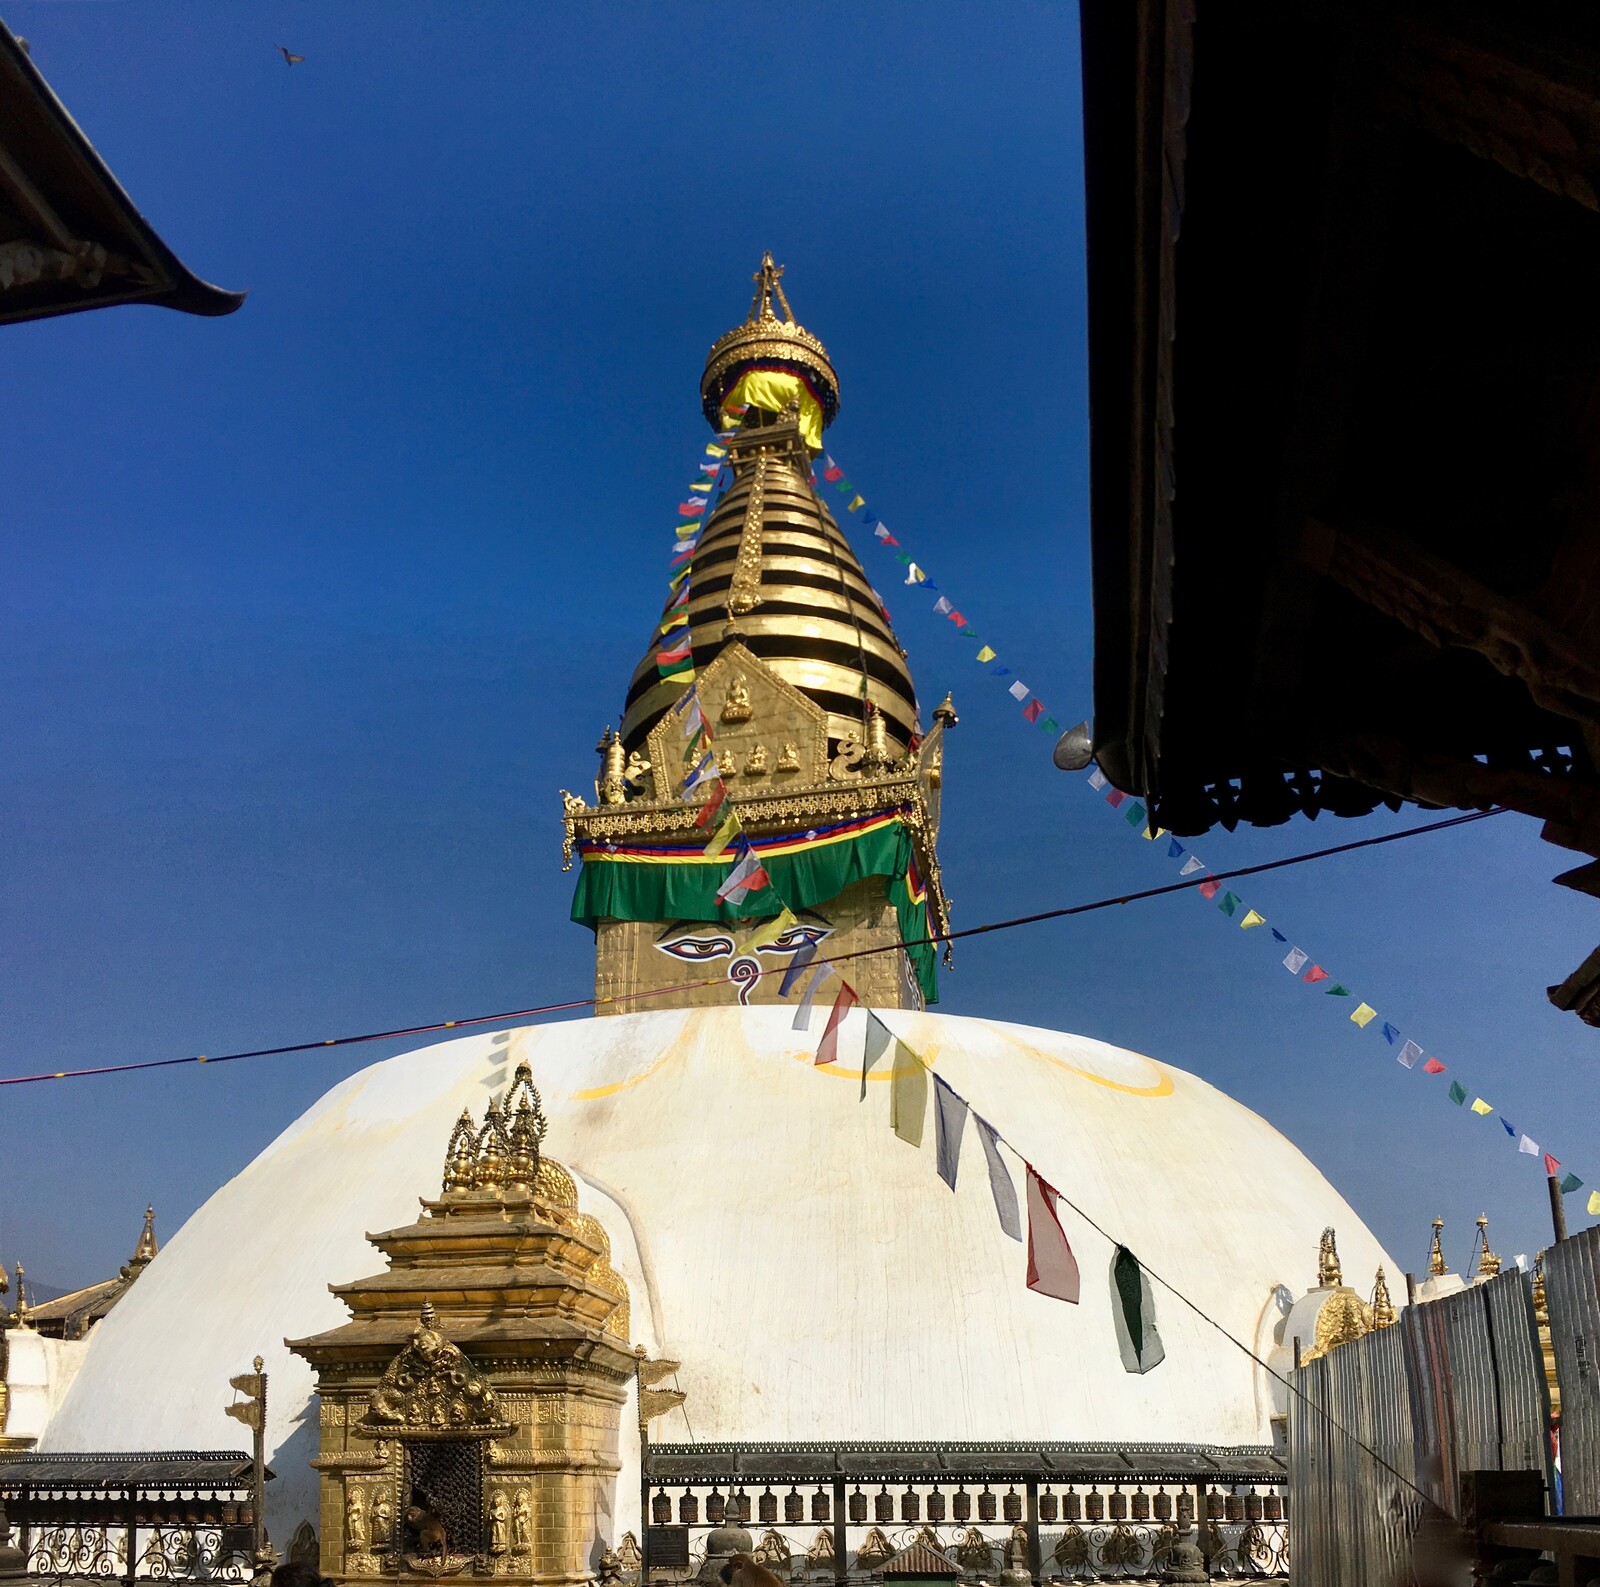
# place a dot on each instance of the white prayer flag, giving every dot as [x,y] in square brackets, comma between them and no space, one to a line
[1294,961]
[1097,779]
[1000,1186]
[914,574]
[950,1119]
[1191,865]
[1018,691]
[1408,1054]
[877,1044]
[1530,1147]
[802,1015]
[942,605]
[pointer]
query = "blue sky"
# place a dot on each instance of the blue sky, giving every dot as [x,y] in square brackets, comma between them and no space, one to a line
[309,612]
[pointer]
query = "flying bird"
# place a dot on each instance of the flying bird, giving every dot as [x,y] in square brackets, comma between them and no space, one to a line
[289,57]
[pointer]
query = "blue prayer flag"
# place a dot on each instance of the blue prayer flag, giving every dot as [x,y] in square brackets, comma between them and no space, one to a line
[1511,1128]
[1175,850]
[1278,934]
[1390,1034]
[1000,672]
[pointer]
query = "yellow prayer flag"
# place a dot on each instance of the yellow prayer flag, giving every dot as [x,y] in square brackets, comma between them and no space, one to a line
[1253,919]
[859,501]
[1594,1203]
[723,836]
[1481,1107]
[908,1095]
[770,932]
[1364,1015]
[986,654]
[704,485]
[715,451]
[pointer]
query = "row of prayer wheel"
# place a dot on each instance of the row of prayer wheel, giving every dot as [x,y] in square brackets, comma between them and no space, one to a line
[734,1508]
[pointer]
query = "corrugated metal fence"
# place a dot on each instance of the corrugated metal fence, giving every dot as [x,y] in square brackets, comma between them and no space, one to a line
[1458,1385]
[1572,1293]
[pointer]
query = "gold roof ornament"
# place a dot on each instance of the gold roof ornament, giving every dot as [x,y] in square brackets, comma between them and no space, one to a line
[431,1390]
[1488,1263]
[1436,1265]
[1383,1312]
[1328,1274]
[147,1247]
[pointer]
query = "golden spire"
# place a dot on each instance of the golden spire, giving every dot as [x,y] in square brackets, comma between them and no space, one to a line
[1329,1275]
[147,1247]
[1488,1263]
[1436,1267]
[1383,1312]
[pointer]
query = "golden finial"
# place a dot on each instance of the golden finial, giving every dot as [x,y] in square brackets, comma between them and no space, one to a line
[1488,1263]
[147,1246]
[769,281]
[1541,1310]
[945,712]
[460,1156]
[1436,1267]
[1328,1273]
[612,787]
[1383,1312]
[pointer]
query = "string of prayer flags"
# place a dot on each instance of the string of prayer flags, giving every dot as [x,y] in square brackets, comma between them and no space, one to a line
[802,1015]
[949,1120]
[828,1047]
[1000,1186]
[876,1045]
[747,876]
[908,1095]
[769,933]
[1052,1268]
[1133,1306]
[722,837]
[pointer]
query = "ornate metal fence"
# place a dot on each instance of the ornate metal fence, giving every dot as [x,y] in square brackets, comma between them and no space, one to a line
[1076,1512]
[179,1516]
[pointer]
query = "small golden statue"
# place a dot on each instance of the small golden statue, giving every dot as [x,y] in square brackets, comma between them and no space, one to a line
[638,768]
[755,764]
[789,760]
[736,705]
[1383,1312]
[610,787]
[1436,1267]
[727,764]
[1328,1274]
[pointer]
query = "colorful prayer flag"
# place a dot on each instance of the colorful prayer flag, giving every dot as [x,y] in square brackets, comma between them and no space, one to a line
[1191,865]
[1594,1203]
[715,451]
[1391,1033]
[1480,1107]
[957,619]
[1314,974]
[700,485]
[877,1044]
[908,1095]
[949,1120]
[1252,919]
[1229,904]
[1433,1067]
[1098,779]
[1049,725]
[1018,690]
[1338,989]
[857,502]
[1210,887]
[690,509]
[1133,1307]
[942,605]
[1278,936]
[1115,798]
[1458,1092]
[747,876]
[1052,1268]
[1134,815]
[986,654]
[1175,850]
[797,967]
[769,933]
[1408,1054]
[714,802]
[869,518]
[1364,1015]
[802,1014]
[1528,1147]
[828,1047]
[1000,1186]
[1569,1183]
[1033,710]
[1508,1126]
[1551,1166]
[915,575]
[723,836]
[1294,961]
[1000,672]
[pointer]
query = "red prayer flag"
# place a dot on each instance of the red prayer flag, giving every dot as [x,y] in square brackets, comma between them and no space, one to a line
[1033,710]
[1433,1067]
[1210,887]
[1052,1268]
[1314,974]
[690,509]
[1551,1166]
[712,805]
[1114,798]
[957,619]
[832,472]
[828,1048]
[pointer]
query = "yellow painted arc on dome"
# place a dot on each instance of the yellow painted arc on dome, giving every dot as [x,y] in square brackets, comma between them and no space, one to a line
[1162,1088]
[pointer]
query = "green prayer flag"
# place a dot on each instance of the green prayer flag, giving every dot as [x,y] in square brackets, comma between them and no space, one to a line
[1133,1306]
[1229,903]
[1458,1093]
[1569,1184]
[1338,989]
[1050,725]
[1134,814]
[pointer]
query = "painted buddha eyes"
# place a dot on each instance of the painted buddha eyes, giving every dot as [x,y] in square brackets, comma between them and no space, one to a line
[796,938]
[697,950]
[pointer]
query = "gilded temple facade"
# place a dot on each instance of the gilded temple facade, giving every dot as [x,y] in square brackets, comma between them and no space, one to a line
[796,687]
[470,1409]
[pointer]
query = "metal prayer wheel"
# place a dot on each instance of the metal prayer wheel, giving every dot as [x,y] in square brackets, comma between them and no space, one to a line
[1274,1507]
[1185,1508]
[767,1507]
[1141,1505]
[716,1507]
[1095,1506]
[910,1506]
[1011,1506]
[1213,1505]
[986,1504]
[883,1506]
[962,1508]
[794,1507]
[1235,1507]
[821,1506]
[858,1508]
[661,1508]
[1252,1506]
[1049,1507]
[1072,1506]
[1119,1505]
[689,1509]
[1163,1505]
[936,1505]
[740,1506]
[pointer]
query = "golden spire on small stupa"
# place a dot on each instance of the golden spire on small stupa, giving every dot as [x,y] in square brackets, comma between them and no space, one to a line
[1383,1312]
[1436,1267]
[1329,1275]
[1488,1263]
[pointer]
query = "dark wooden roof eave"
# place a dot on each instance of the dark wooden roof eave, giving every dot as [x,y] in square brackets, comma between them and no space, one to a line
[40,139]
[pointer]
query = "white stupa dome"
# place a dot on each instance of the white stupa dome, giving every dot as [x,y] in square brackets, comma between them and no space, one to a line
[810,1270]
